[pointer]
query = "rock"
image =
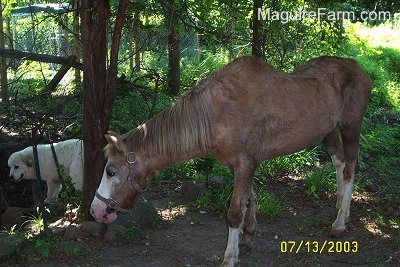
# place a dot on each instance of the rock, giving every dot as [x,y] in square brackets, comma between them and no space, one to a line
[217,180]
[73,233]
[143,213]
[93,228]
[114,232]
[15,216]
[9,243]
[191,190]
[58,230]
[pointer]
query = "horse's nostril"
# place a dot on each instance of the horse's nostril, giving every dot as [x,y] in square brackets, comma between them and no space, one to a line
[109,210]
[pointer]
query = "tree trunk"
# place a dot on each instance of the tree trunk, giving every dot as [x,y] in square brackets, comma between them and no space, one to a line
[132,47]
[3,62]
[171,20]
[75,31]
[99,85]
[257,43]
[136,30]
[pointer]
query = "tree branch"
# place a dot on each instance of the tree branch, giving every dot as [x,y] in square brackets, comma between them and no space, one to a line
[16,54]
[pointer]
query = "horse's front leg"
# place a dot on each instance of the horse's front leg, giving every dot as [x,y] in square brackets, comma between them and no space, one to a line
[249,226]
[237,210]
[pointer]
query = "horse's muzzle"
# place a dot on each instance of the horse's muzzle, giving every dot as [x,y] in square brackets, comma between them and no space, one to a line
[100,212]
[112,205]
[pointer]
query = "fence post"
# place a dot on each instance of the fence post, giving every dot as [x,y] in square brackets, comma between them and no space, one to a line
[39,180]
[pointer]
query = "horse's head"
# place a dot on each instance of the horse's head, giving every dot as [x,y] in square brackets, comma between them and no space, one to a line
[121,182]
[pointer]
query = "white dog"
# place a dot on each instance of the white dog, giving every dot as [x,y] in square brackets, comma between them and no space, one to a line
[69,154]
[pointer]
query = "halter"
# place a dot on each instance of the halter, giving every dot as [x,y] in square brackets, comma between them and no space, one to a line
[111,203]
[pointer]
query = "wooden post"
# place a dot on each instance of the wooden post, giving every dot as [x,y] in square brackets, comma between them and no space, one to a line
[3,63]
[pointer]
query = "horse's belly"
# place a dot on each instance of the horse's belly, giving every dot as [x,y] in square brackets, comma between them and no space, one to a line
[293,137]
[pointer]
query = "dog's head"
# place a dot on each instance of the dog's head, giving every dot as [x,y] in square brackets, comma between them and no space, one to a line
[21,166]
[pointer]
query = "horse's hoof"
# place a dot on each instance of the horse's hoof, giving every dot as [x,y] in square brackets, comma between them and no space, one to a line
[336,233]
[245,249]
[228,263]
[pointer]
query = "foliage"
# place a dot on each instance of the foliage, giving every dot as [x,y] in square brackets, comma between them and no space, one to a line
[137,106]
[217,198]
[320,180]
[380,146]
[34,108]
[295,163]
[268,205]
[38,246]
[70,197]
[36,221]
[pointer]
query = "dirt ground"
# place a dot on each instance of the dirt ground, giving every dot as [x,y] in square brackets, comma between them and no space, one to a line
[190,237]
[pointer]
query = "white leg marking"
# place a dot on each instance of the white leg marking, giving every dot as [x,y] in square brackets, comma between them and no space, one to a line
[232,249]
[344,211]
[339,166]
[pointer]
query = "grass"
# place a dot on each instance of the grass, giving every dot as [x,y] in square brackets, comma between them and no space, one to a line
[41,246]
[268,205]
[216,199]
[320,180]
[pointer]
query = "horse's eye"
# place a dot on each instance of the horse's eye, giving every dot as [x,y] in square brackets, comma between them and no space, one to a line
[110,173]
[16,167]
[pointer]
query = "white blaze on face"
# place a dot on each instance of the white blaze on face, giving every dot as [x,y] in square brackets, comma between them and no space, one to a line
[105,186]
[98,207]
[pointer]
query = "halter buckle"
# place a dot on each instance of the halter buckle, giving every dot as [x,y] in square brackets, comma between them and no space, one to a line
[130,158]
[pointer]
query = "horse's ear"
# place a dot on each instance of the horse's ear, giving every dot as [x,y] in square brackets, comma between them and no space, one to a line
[114,140]
[113,134]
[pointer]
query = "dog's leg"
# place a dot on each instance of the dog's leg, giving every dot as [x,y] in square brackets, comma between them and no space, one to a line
[76,174]
[53,189]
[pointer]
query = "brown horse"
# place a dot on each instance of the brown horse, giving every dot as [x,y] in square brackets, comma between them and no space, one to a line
[245,113]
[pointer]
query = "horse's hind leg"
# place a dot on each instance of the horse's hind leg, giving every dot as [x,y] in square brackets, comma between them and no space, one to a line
[350,139]
[333,144]
[356,97]
[344,158]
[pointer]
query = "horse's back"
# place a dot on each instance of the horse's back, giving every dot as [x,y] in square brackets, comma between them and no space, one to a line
[342,72]
[271,113]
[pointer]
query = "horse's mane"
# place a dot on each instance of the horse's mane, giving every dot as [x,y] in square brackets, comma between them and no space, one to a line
[183,127]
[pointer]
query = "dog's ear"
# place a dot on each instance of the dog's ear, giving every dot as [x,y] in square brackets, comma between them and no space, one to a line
[28,160]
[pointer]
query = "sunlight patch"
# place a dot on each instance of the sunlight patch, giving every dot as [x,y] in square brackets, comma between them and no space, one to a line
[373,228]
[169,214]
